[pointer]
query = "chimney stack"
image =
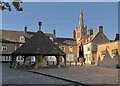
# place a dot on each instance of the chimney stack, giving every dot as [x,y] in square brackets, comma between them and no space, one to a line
[90,32]
[25,29]
[100,28]
[40,24]
[116,37]
[74,34]
[54,32]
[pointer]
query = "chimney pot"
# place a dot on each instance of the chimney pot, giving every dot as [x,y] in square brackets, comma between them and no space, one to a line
[25,30]
[74,34]
[116,37]
[100,28]
[54,32]
[90,32]
[40,24]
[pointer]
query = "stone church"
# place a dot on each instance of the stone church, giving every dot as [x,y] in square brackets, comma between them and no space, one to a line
[81,30]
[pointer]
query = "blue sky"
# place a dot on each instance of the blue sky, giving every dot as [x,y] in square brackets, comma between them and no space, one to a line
[63,16]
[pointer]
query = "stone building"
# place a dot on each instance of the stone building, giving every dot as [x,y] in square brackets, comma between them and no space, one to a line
[11,40]
[108,54]
[90,45]
[69,46]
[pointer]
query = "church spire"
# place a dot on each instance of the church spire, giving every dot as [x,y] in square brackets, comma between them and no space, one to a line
[81,18]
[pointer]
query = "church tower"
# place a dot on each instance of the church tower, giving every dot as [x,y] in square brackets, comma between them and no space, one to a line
[80,31]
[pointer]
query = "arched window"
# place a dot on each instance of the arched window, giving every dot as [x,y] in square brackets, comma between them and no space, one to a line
[22,38]
[51,38]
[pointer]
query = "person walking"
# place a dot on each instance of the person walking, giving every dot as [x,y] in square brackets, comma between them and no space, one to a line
[81,61]
[84,61]
[92,60]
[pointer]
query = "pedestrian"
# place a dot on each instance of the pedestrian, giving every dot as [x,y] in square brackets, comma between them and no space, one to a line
[81,61]
[84,61]
[92,60]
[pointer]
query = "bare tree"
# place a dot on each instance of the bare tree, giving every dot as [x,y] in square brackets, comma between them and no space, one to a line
[6,5]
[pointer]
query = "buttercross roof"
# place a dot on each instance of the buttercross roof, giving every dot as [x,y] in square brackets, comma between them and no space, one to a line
[39,44]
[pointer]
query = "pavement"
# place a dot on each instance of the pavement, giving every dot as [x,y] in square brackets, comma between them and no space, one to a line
[0,73]
[16,76]
[83,74]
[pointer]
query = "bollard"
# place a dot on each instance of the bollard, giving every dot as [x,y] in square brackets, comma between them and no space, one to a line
[76,63]
[70,63]
[47,62]
[53,63]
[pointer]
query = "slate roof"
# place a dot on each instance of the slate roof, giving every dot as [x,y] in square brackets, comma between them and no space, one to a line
[5,41]
[92,37]
[39,44]
[66,41]
[14,36]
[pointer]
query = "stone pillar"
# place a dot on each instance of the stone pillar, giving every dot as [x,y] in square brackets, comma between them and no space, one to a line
[53,63]
[13,63]
[58,61]
[40,63]
[47,63]
[64,60]
[24,62]
[36,62]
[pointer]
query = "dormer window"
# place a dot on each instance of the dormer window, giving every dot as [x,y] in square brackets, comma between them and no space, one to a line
[51,38]
[22,38]
[63,48]
[114,52]
[103,53]
[4,48]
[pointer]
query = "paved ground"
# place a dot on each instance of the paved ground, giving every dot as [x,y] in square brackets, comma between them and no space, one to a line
[84,74]
[0,73]
[15,76]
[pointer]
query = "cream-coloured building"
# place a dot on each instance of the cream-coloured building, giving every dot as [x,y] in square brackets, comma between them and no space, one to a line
[108,54]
